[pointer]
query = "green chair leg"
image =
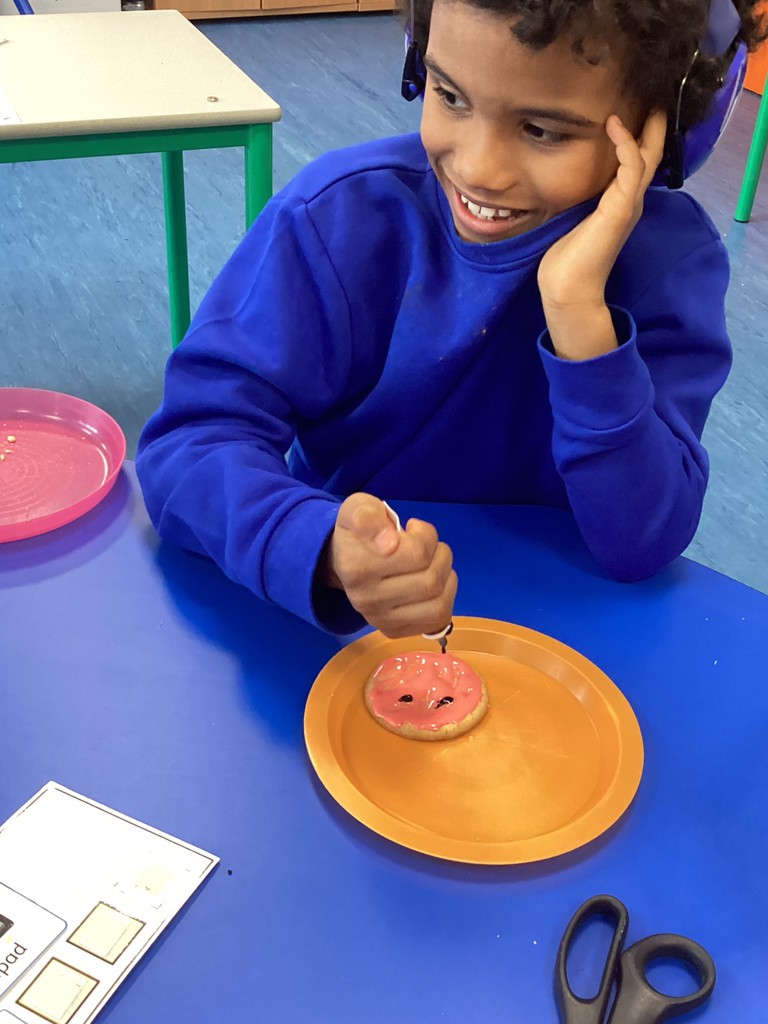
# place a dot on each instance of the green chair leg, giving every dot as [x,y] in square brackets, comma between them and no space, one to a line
[176,240]
[258,170]
[754,162]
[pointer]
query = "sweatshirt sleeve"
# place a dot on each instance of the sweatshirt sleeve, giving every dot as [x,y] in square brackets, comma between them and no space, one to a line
[269,346]
[628,425]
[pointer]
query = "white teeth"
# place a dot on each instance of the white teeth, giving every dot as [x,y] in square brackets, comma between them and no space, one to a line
[486,212]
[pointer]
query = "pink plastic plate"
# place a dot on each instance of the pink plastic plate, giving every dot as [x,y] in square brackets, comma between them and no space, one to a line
[59,456]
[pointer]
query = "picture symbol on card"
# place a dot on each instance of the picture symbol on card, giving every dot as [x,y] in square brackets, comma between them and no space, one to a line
[106,932]
[5,924]
[57,992]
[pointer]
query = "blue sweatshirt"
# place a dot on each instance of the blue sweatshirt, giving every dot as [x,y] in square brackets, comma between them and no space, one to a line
[354,342]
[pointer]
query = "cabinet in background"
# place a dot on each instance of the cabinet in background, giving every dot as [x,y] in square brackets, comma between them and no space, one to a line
[253,8]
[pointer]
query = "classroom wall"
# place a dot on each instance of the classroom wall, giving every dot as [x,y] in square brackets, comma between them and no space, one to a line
[758,64]
[757,69]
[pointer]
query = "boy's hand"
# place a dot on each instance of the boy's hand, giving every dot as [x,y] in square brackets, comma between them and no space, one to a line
[574,271]
[402,583]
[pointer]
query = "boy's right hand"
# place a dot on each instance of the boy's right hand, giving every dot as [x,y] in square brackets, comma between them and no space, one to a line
[402,583]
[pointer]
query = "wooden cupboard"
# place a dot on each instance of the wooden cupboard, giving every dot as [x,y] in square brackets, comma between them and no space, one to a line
[245,8]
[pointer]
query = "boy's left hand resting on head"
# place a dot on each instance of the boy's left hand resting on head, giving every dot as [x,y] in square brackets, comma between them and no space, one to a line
[574,271]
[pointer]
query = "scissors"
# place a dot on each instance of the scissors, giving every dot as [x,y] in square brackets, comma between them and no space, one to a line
[636,1002]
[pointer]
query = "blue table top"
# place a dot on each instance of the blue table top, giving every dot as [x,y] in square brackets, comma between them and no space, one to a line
[138,675]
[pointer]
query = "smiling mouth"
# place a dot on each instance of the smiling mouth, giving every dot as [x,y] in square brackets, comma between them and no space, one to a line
[478,222]
[487,212]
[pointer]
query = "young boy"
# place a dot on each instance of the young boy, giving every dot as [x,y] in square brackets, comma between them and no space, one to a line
[495,312]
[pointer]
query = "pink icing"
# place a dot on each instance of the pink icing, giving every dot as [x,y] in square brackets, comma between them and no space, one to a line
[428,678]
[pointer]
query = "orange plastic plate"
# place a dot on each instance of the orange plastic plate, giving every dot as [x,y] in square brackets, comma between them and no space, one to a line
[554,763]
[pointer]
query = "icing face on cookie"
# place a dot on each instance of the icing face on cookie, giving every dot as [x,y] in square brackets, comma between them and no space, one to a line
[424,690]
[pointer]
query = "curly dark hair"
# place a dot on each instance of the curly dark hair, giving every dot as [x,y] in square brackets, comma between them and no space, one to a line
[658,41]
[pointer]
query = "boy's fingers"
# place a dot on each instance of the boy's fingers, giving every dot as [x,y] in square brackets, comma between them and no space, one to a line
[652,142]
[638,158]
[423,539]
[654,131]
[631,171]
[417,587]
[424,617]
[366,518]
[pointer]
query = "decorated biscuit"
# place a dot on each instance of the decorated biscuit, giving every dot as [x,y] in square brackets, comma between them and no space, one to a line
[426,696]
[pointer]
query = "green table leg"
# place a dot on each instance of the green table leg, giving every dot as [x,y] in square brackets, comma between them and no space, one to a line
[176,240]
[258,170]
[754,162]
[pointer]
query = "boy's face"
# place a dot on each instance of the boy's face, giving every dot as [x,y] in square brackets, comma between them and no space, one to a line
[516,132]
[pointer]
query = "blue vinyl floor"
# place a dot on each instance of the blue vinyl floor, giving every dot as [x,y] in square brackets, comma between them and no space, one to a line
[83,293]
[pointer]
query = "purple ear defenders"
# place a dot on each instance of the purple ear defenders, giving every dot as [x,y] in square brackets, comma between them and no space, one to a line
[685,151]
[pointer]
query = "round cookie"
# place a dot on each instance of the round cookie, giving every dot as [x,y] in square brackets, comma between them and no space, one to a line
[426,696]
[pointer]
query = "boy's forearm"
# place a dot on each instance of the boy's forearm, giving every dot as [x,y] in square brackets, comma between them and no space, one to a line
[579,331]
[638,506]
[631,460]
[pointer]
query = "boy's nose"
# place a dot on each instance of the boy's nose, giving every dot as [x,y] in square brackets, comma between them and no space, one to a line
[485,164]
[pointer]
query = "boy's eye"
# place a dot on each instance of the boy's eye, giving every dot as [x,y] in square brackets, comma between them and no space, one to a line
[449,99]
[539,134]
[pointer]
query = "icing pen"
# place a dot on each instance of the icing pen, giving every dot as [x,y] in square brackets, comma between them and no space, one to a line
[442,635]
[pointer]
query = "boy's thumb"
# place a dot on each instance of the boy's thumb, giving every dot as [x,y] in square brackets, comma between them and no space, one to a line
[369,521]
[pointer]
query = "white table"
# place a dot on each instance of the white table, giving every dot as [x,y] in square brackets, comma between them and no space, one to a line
[78,85]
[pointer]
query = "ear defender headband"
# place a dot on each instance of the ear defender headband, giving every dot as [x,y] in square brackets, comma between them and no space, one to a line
[685,151]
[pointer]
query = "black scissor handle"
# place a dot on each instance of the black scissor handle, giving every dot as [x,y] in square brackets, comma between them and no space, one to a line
[637,1002]
[573,1009]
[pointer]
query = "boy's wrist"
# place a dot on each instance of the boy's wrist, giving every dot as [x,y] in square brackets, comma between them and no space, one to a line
[580,330]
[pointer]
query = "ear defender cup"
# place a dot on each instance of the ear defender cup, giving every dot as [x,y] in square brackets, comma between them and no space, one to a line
[414,73]
[686,152]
